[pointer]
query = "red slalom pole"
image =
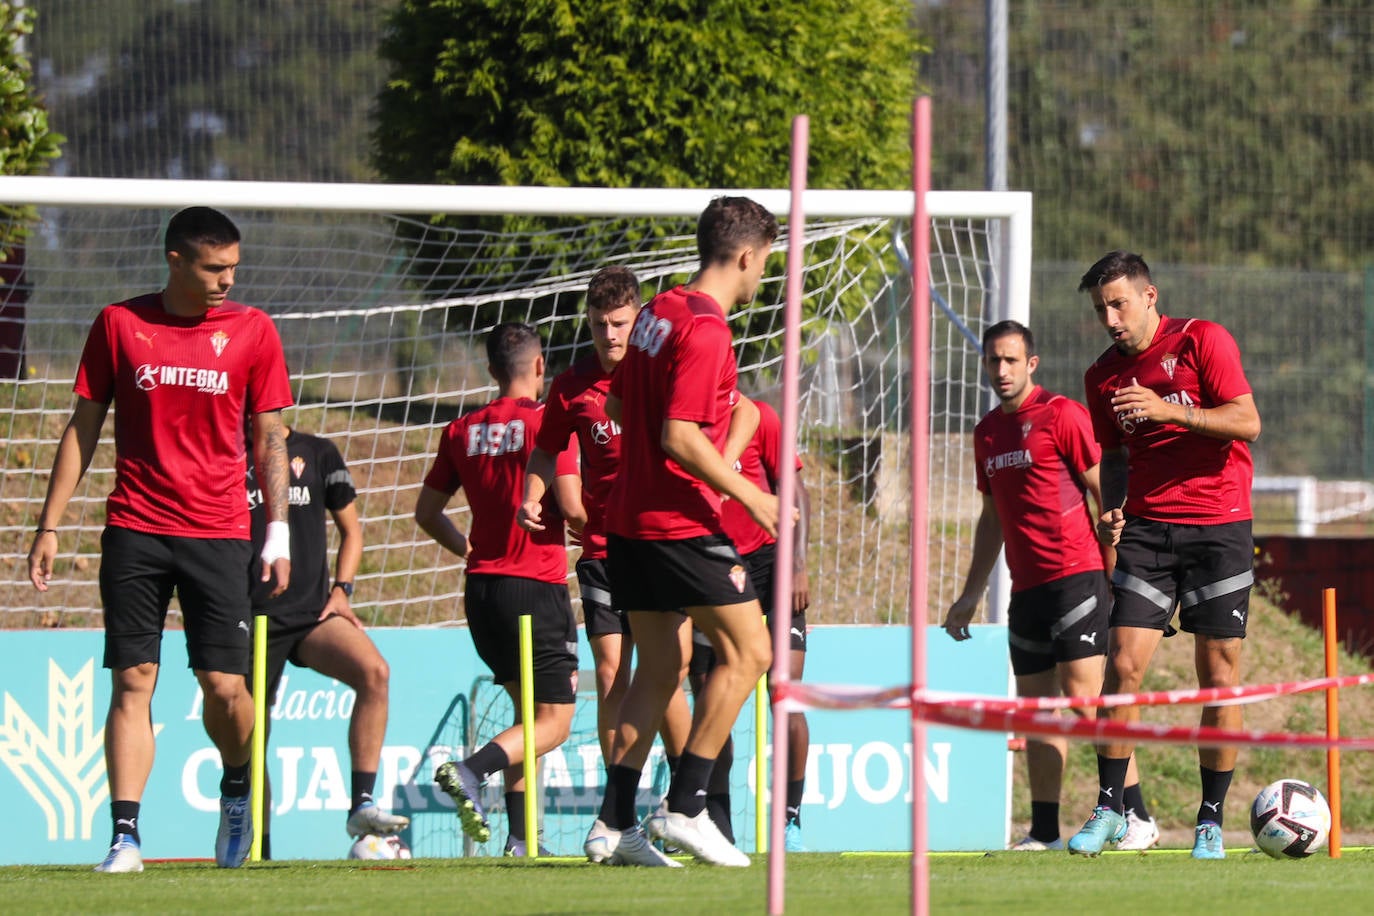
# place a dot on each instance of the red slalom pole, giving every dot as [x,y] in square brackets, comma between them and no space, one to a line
[1333,722]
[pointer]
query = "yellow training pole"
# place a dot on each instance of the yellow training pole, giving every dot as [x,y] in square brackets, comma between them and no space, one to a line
[527,729]
[258,763]
[761,765]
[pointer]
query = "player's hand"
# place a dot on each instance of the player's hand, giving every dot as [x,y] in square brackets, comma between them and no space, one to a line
[41,555]
[957,620]
[1109,527]
[279,568]
[1135,404]
[528,515]
[801,591]
[763,509]
[339,606]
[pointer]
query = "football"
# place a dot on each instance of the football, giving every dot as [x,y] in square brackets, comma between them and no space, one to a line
[1290,819]
[379,847]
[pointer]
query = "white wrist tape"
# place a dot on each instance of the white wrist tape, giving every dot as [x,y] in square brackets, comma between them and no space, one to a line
[278,544]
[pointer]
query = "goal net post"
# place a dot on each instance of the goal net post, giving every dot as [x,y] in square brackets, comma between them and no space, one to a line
[383,310]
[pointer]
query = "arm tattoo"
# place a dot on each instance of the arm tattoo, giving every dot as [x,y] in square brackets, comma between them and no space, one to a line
[272,463]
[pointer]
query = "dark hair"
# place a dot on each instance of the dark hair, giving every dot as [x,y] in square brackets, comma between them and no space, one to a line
[511,349]
[1009,328]
[731,223]
[612,288]
[1113,266]
[196,226]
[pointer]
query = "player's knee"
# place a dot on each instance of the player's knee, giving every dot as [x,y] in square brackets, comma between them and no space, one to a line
[227,693]
[376,679]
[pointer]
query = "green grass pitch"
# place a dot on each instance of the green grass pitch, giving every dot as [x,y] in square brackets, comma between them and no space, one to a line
[1161,881]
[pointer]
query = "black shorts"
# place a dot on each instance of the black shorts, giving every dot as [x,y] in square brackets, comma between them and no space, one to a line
[494,605]
[671,575]
[283,641]
[1206,570]
[1059,621]
[138,574]
[600,615]
[760,566]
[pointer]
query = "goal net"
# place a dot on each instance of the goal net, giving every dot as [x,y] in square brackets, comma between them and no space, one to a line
[383,311]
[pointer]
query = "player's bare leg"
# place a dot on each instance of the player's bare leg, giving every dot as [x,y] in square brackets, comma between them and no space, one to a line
[1129,650]
[664,646]
[798,750]
[129,740]
[228,719]
[611,659]
[228,714]
[1046,755]
[1218,665]
[743,653]
[338,649]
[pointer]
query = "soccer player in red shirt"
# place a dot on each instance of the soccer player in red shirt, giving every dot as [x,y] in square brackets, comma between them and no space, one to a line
[760,461]
[185,366]
[1172,408]
[668,555]
[1036,464]
[510,572]
[576,406]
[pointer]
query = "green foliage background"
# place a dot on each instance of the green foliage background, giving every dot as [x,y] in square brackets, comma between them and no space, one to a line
[27,145]
[660,93]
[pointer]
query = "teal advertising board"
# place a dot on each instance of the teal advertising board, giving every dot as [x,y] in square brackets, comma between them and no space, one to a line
[858,796]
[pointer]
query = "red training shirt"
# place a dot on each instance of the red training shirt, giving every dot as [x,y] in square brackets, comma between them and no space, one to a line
[1029,462]
[485,452]
[761,464]
[679,365]
[181,388]
[1176,475]
[576,405]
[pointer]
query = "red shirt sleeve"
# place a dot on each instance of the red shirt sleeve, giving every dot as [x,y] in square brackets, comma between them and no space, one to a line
[95,377]
[443,474]
[557,426]
[1073,437]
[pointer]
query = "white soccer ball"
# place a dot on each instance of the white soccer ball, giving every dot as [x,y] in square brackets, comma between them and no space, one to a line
[379,847]
[1290,819]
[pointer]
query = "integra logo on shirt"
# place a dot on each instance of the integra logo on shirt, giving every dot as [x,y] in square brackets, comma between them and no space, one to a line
[209,381]
[1020,459]
[295,496]
[496,438]
[604,431]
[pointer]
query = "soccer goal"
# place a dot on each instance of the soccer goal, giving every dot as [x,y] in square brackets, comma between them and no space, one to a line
[383,309]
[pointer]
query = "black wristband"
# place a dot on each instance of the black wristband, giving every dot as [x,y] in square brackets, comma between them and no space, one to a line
[345,587]
[44,530]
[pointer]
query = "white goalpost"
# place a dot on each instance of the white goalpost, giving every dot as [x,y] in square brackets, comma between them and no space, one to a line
[383,311]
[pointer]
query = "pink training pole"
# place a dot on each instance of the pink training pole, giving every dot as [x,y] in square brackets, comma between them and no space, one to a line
[781,612]
[920,472]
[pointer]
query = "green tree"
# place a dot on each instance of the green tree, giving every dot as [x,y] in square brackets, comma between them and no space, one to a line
[27,145]
[661,93]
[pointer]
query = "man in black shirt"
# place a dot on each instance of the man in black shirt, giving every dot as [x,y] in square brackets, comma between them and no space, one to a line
[312,623]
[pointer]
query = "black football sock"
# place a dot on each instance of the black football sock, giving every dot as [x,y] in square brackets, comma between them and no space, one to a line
[1215,785]
[515,815]
[491,758]
[618,804]
[1134,800]
[687,792]
[1111,782]
[796,788]
[124,814]
[234,783]
[1044,821]
[363,784]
